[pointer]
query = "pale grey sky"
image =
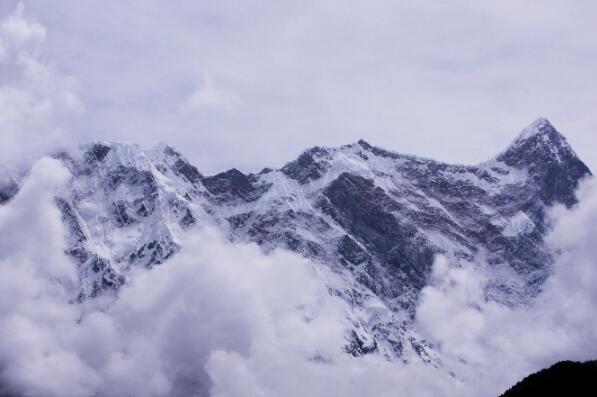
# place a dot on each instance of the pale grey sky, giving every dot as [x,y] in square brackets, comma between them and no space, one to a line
[250,83]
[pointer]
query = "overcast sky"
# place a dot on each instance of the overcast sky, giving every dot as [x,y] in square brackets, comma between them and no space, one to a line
[250,83]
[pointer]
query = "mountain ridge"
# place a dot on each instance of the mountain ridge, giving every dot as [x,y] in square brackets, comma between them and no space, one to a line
[375,219]
[534,128]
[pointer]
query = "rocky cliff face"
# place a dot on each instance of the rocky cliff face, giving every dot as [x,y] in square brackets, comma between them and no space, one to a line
[374,218]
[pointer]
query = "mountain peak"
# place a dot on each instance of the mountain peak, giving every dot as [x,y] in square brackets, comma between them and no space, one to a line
[550,160]
[364,143]
[542,132]
[538,142]
[537,127]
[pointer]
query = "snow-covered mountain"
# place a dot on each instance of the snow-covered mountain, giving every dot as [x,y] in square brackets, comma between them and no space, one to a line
[372,218]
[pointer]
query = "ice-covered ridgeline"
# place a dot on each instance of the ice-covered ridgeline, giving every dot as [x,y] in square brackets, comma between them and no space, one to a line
[373,219]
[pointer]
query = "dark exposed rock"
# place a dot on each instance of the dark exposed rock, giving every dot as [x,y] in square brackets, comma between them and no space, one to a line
[121,214]
[188,219]
[240,220]
[306,168]
[97,153]
[78,253]
[373,218]
[233,184]
[143,211]
[265,171]
[182,167]
[381,332]
[134,177]
[358,347]
[155,252]
[142,180]
[107,278]
[351,251]
[8,190]
[185,169]
[73,228]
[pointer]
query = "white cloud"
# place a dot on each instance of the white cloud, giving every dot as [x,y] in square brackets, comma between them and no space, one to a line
[21,35]
[35,102]
[208,96]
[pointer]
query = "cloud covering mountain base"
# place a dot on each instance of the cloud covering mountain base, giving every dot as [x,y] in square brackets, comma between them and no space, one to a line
[224,319]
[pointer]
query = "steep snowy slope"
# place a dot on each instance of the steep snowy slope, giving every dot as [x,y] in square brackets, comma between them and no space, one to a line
[373,219]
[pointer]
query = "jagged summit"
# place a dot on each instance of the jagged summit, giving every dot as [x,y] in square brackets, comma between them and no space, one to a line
[549,159]
[536,147]
[540,126]
[539,140]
